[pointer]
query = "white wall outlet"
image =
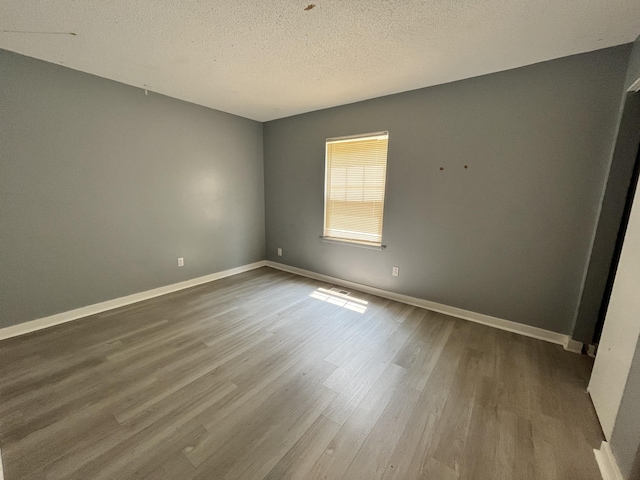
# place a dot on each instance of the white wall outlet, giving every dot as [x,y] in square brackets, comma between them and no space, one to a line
[395,271]
[181,262]
[279,252]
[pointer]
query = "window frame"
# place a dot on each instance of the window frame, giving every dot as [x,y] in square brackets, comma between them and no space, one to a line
[346,241]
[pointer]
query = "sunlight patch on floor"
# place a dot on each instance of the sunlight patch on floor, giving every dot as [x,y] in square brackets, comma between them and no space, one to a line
[344,301]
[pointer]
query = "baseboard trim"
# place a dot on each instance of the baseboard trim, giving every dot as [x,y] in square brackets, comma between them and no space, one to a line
[573,346]
[607,463]
[71,315]
[57,319]
[509,326]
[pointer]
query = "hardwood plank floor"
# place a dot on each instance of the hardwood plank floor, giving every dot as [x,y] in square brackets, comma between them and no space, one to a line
[267,375]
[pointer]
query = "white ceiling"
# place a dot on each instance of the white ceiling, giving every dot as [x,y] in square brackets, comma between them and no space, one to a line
[270,59]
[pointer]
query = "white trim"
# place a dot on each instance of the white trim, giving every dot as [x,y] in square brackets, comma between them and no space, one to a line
[573,346]
[353,243]
[363,136]
[526,330]
[607,463]
[1,472]
[635,87]
[39,324]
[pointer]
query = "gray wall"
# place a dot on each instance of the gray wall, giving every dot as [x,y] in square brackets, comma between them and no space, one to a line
[625,439]
[623,158]
[102,188]
[510,235]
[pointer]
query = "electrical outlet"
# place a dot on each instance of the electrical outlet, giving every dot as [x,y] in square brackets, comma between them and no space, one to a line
[279,252]
[395,271]
[181,262]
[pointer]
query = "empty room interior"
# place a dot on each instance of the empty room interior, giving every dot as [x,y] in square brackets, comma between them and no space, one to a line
[381,240]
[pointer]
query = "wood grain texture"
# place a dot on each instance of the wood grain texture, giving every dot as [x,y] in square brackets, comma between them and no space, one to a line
[267,375]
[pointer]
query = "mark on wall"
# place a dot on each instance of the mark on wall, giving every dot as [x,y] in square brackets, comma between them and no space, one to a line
[39,33]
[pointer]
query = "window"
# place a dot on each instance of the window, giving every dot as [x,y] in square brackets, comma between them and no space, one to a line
[356,169]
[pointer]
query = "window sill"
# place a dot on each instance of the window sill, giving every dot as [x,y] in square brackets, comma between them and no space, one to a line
[350,243]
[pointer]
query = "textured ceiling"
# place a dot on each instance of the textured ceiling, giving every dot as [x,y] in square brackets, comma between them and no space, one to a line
[271,59]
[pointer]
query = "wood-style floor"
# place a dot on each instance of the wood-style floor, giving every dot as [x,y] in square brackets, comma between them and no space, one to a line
[269,375]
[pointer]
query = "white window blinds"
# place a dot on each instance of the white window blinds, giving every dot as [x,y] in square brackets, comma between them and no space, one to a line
[356,169]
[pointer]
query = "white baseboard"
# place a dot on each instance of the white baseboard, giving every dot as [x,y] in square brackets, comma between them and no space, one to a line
[526,330]
[573,346]
[64,317]
[607,463]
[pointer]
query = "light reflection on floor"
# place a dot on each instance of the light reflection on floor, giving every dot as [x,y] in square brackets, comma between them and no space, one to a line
[344,301]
